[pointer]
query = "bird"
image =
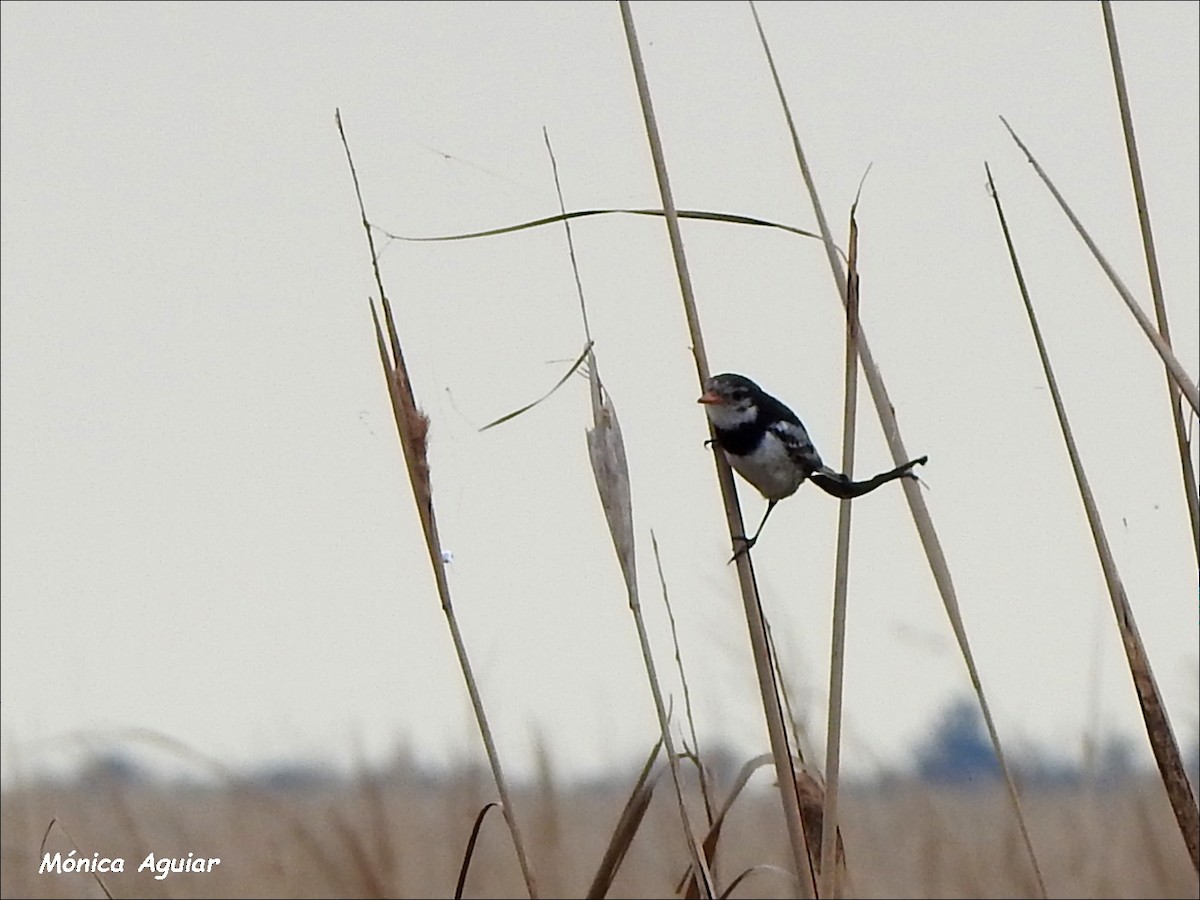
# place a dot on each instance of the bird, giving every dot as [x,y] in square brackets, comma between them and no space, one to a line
[768,445]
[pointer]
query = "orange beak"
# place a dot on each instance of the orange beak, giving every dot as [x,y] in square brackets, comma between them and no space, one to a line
[709,397]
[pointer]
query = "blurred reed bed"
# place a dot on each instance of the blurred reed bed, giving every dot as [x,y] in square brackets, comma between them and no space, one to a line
[401,833]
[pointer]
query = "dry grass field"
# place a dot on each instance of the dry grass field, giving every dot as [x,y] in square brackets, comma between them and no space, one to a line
[404,837]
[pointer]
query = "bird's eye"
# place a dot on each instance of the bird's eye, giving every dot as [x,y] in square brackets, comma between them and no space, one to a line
[740,394]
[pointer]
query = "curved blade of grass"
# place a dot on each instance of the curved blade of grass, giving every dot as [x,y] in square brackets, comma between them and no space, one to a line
[922,518]
[1182,380]
[760,867]
[1156,292]
[528,406]
[751,603]
[731,218]
[1154,711]
[469,853]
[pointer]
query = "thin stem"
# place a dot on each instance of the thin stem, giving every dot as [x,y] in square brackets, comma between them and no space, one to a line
[837,652]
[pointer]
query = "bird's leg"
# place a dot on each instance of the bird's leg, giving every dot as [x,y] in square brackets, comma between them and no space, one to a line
[750,542]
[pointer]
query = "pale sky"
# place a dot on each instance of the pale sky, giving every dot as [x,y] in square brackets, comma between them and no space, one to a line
[208,532]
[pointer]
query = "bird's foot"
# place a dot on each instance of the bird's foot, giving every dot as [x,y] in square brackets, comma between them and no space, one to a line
[747,543]
[906,470]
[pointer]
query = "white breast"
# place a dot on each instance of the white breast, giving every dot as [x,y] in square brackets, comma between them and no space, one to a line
[769,469]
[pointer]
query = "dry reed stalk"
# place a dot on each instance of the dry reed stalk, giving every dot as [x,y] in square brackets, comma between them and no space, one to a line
[1154,711]
[1175,369]
[1156,292]
[733,515]
[837,652]
[412,426]
[912,492]
[606,451]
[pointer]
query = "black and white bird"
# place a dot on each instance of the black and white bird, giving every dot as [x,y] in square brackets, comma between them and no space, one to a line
[767,444]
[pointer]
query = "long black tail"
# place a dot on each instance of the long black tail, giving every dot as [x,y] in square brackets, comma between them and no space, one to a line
[840,486]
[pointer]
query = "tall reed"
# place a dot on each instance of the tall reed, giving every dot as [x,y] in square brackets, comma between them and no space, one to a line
[751,603]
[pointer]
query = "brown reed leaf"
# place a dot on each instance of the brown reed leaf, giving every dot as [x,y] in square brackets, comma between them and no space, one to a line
[627,826]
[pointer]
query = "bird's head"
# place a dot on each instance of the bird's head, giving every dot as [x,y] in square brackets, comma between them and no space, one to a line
[730,400]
